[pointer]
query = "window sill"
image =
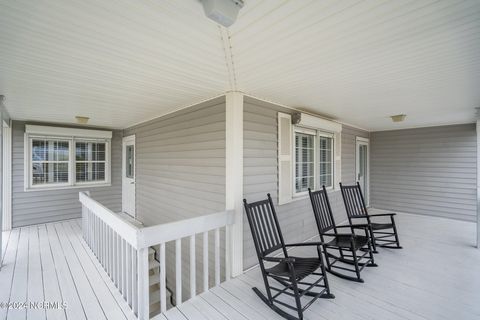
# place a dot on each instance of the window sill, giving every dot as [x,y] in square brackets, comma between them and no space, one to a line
[302,196]
[78,186]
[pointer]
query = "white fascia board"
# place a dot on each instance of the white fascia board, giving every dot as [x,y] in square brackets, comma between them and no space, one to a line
[67,132]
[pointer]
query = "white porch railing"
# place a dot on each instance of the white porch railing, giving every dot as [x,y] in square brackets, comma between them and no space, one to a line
[122,250]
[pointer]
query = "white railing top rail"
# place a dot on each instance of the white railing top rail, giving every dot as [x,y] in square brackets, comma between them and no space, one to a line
[149,236]
[126,230]
[161,233]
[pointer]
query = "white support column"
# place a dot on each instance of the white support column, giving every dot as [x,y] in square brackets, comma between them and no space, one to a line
[234,181]
[478,184]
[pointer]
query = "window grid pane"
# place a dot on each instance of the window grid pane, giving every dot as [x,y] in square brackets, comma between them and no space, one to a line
[325,162]
[304,162]
[50,159]
[90,161]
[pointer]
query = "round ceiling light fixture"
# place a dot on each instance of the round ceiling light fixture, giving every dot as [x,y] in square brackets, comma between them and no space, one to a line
[82,120]
[398,117]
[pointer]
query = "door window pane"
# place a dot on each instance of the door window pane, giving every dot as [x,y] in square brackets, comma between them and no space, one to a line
[304,162]
[130,158]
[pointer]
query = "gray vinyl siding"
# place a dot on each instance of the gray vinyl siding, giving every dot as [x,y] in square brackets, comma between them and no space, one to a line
[429,171]
[261,175]
[33,207]
[349,147]
[180,174]
[180,170]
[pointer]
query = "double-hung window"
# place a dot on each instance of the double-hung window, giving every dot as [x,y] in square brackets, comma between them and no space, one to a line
[313,165]
[66,157]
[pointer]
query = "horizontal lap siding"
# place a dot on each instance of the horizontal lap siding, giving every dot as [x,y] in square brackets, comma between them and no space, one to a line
[180,174]
[261,176]
[180,171]
[36,207]
[349,149]
[429,171]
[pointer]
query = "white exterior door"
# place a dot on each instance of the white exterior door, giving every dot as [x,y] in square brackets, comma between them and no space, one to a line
[362,171]
[128,175]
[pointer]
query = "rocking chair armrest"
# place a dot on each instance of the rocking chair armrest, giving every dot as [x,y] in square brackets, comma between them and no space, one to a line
[304,244]
[279,259]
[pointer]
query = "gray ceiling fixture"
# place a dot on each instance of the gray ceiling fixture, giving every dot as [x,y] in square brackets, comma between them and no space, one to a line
[223,12]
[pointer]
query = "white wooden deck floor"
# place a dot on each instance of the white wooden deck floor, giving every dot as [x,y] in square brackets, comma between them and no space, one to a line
[52,263]
[436,276]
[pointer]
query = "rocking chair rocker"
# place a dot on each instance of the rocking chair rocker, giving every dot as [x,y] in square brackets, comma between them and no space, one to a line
[356,209]
[289,272]
[347,244]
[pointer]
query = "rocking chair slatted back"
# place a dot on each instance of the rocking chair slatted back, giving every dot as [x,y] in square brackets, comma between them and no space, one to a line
[353,199]
[263,221]
[322,210]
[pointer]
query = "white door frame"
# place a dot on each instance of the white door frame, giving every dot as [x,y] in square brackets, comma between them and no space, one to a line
[129,140]
[363,141]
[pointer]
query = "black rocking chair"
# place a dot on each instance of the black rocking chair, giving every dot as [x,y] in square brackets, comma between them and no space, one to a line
[289,272]
[353,249]
[356,209]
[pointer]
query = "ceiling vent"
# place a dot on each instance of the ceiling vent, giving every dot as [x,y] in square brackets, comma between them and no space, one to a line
[223,12]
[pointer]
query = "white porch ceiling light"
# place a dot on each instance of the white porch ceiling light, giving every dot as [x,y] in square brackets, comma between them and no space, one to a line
[223,12]
[82,120]
[398,117]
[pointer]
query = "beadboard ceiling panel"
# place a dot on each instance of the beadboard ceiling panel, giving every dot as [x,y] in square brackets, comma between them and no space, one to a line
[118,62]
[124,62]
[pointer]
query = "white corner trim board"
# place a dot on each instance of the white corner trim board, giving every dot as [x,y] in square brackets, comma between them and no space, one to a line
[67,132]
[7,179]
[234,179]
[478,183]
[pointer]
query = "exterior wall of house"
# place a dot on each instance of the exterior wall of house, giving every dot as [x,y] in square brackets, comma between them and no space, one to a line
[180,169]
[429,171]
[180,174]
[33,207]
[261,175]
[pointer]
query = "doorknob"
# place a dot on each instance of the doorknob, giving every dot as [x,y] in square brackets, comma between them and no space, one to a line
[133,182]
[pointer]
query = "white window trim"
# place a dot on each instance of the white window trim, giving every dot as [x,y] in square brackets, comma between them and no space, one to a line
[316,133]
[72,135]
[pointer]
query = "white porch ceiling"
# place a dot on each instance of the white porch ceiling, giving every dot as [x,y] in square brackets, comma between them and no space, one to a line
[124,62]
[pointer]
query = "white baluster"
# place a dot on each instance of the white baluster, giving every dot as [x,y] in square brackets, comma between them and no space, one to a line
[163,293]
[135,281]
[193,284]
[205,261]
[217,256]
[129,273]
[178,271]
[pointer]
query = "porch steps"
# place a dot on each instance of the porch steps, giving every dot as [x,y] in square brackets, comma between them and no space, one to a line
[154,282]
